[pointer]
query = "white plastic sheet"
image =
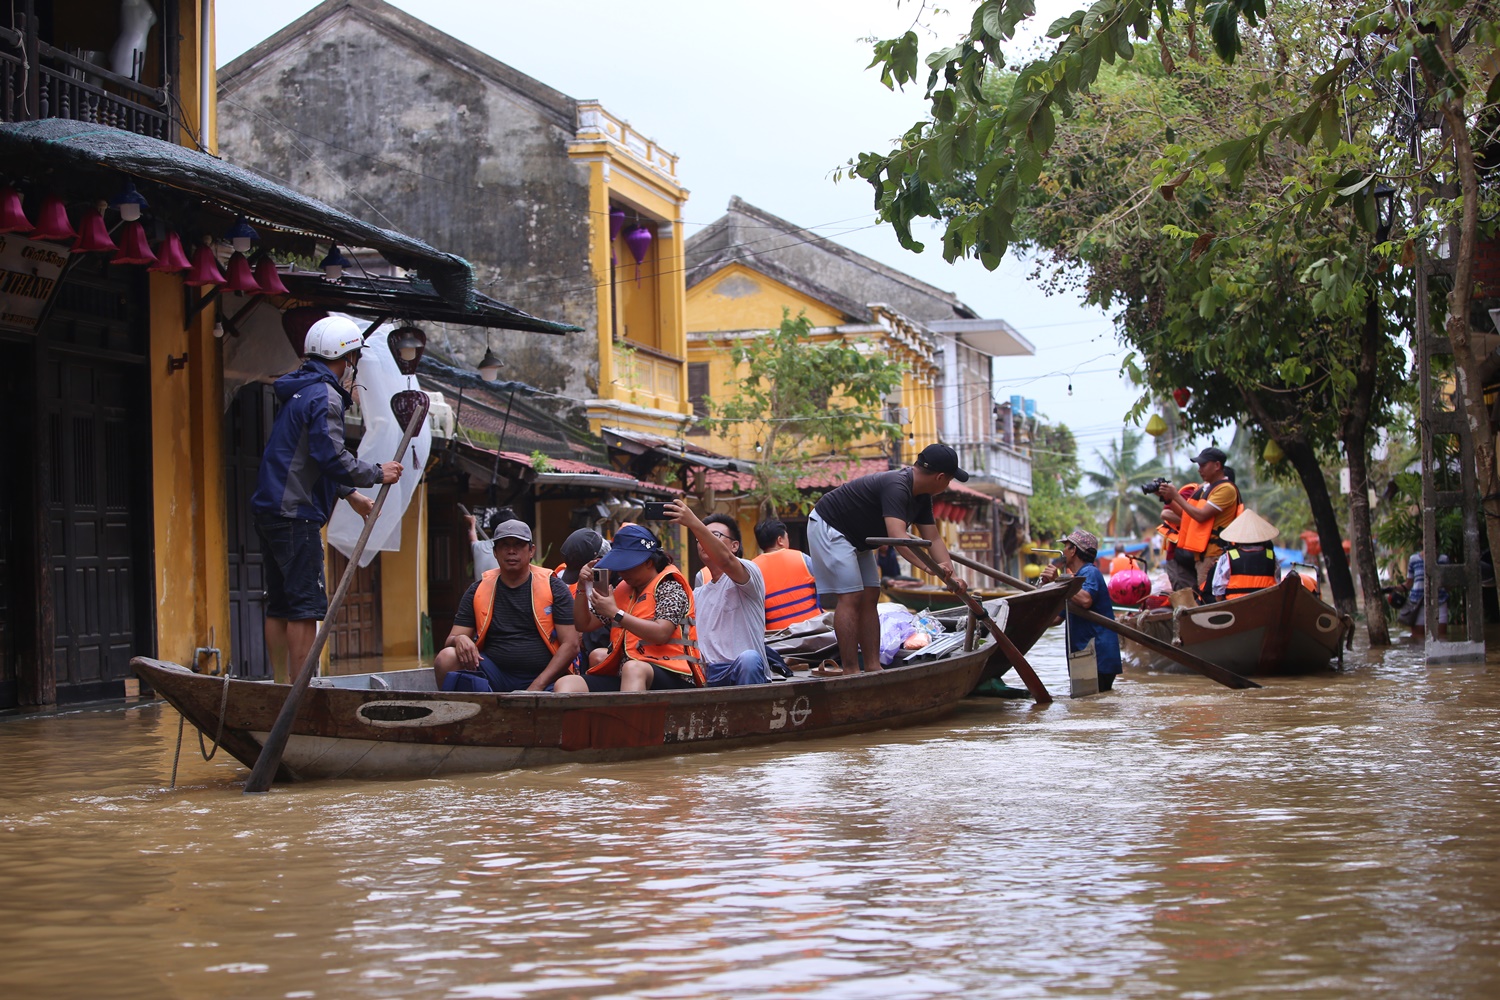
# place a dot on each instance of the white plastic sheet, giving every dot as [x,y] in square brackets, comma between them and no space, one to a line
[378,380]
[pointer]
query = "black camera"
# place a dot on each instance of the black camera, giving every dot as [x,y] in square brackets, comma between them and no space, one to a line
[1155,485]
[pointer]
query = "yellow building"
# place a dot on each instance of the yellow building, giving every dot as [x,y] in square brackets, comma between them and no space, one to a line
[121,526]
[749,268]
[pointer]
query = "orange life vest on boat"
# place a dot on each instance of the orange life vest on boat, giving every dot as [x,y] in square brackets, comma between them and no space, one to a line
[791,594]
[1166,529]
[541,605]
[679,653]
[1120,564]
[1251,568]
[1196,536]
[572,587]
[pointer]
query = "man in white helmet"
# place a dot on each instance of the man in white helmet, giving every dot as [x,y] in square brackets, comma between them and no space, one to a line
[304,470]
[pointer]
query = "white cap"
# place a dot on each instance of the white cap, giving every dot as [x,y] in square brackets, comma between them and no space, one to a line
[332,337]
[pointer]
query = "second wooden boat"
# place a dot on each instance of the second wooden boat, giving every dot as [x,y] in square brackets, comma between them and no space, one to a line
[1283,629]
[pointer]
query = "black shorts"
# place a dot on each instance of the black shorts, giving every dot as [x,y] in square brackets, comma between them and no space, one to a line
[662,680]
[293,551]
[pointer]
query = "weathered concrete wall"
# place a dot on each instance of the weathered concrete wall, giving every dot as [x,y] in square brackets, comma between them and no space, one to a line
[389,120]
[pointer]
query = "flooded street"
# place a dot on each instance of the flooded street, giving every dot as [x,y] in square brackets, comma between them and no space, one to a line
[1322,837]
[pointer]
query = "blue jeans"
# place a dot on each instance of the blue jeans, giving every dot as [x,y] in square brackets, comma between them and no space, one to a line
[747,668]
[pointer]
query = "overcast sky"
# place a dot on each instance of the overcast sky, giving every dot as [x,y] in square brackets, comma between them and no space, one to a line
[765,101]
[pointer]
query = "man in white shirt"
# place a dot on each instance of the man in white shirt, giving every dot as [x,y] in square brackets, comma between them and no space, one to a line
[730,598]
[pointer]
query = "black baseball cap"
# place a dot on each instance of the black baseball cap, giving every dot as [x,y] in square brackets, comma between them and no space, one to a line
[941,458]
[582,546]
[1211,455]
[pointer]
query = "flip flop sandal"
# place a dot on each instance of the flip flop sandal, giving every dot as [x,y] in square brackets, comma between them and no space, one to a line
[828,668]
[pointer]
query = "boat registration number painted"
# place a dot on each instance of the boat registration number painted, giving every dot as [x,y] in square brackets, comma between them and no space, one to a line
[797,714]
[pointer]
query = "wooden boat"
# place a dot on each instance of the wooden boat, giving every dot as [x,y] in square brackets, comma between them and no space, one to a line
[922,597]
[1283,629]
[395,725]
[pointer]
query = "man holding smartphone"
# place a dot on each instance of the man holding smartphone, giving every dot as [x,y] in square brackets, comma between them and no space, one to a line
[731,598]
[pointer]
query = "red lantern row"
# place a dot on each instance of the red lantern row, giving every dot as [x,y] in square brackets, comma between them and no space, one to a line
[133,248]
[944,511]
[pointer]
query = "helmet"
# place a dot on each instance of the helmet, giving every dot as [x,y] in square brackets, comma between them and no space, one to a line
[332,337]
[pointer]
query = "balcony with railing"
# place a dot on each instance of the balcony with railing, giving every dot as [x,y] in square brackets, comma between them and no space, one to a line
[993,462]
[43,75]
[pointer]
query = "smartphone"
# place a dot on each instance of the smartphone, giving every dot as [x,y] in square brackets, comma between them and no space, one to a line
[656,510]
[601,581]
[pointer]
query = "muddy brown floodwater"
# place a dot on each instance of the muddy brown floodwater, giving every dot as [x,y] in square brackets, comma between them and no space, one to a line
[1332,836]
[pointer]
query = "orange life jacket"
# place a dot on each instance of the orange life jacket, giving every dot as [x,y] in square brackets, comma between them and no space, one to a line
[791,594]
[1166,528]
[541,606]
[1196,536]
[1251,568]
[572,587]
[1120,564]
[679,653]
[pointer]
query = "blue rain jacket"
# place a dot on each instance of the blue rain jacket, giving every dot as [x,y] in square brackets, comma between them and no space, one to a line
[306,468]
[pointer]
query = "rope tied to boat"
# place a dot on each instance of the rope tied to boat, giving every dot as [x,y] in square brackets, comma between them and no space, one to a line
[218,734]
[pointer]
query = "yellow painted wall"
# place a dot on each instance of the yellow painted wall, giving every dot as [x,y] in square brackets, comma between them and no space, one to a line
[403,584]
[188,15]
[739,298]
[187,459]
[650,315]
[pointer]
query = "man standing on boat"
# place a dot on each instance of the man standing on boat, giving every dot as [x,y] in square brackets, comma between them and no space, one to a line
[304,470]
[883,505]
[1199,521]
[513,626]
[1080,551]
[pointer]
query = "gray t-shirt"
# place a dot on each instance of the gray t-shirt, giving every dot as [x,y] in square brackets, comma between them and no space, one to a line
[731,616]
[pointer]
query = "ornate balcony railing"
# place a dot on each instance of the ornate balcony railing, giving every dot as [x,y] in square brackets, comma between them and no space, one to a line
[38,80]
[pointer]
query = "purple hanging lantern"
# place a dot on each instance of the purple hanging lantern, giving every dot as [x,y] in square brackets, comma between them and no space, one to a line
[407,403]
[638,241]
[616,223]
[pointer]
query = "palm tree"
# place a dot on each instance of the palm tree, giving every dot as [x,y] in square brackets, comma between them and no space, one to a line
[1119,502]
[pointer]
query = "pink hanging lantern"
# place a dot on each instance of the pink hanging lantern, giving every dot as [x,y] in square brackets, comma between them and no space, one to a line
[53,221]
[169,256]
[268,277]
[638,242]
[241,278]
[12,214]
[204,269]
[1129,586]
[134,249]
[94,235]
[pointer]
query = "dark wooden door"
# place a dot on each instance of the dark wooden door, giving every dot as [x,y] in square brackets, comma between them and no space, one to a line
[247,425]
[98,522]
[16,611]
[356,632]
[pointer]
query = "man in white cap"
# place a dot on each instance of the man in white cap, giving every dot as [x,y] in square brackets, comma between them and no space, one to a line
[303,472]
[513,630]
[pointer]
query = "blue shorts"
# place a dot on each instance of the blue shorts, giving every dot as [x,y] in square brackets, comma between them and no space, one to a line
[662,679]
[501,680]
[293,551]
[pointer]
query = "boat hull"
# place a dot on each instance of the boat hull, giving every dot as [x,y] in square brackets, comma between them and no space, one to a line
[349,728]
[1281,630]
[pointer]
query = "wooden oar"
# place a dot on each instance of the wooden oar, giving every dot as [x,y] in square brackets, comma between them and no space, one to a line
[269,760]
[918,547]
[1210,670]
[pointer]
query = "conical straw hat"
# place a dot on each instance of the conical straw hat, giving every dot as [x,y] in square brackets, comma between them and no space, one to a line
[1249,529]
